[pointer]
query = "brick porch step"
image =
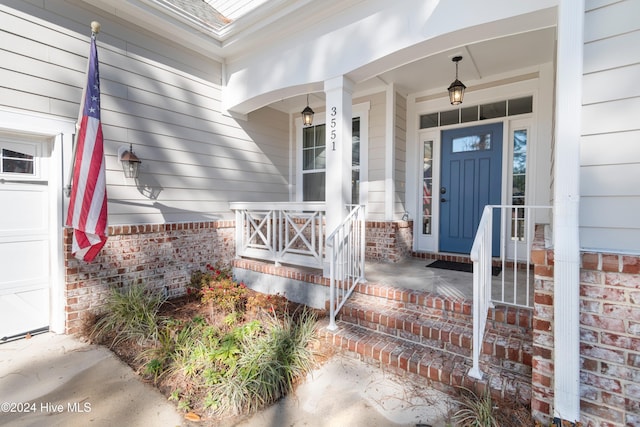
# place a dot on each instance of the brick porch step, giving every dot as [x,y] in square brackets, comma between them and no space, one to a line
[504,345]
[430,336]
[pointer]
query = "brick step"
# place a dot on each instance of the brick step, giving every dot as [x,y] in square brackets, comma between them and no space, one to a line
[446,306]
[440,369]
[505,346]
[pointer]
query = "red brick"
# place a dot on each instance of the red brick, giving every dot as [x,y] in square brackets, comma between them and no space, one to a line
[631,264]
[610,263]
[590,261]
[543,271]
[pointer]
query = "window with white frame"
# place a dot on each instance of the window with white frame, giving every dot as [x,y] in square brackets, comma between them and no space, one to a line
[314,162]
[18,158]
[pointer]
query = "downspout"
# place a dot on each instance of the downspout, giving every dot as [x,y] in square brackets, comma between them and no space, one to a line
[566,175]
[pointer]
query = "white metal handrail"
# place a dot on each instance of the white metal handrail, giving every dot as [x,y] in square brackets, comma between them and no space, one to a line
[291,233]
[516,231]
[346,270]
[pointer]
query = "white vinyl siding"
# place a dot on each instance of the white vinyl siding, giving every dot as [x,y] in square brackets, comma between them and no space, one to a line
[162,98]
[610,153]
[400,149]
[376,206]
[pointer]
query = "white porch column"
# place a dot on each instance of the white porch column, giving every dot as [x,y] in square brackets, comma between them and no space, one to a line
[338,93]
[566,291]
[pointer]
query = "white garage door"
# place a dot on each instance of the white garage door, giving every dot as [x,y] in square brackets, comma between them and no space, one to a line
[24,239]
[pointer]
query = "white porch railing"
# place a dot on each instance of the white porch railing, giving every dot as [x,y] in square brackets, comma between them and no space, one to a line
[347,247]
[516,235]
[282,232]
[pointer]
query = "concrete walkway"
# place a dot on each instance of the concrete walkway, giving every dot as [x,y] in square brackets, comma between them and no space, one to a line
[57,380]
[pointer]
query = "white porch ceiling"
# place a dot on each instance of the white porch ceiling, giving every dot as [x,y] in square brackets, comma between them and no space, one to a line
[433,74]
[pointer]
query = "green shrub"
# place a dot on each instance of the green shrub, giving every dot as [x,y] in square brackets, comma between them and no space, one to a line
[130,313]
[267,366]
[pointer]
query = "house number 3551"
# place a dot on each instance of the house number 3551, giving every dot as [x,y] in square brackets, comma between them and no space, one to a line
[334,136]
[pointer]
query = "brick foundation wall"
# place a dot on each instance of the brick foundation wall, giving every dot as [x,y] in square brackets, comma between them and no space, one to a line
[388,241]
[542,359]
[609,339]
[161,256]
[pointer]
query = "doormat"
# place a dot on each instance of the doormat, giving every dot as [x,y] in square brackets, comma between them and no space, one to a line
[459,266]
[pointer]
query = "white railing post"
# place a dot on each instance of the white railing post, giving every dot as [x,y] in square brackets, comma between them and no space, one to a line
[346,266]
[481,256]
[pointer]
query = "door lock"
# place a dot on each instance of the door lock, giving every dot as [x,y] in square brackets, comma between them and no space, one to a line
[443,190]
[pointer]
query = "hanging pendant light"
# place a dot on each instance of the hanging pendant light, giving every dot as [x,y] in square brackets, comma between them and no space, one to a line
[456,89]
[307,114]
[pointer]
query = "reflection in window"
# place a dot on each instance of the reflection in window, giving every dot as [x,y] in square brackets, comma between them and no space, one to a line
[472,143]
[16,162]
[427,187]
[519,183]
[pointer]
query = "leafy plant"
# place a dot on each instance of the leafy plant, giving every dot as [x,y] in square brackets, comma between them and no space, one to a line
[276,304]
[225,295]
[129,314]
[268,365]
[485,411]
[476,411]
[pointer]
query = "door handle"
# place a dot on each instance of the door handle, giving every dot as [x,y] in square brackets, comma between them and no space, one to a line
[442,199]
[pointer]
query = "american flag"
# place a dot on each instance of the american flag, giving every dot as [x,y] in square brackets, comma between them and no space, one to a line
[87,213]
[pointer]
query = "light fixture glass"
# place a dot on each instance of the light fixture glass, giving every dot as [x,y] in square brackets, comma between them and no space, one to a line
[456,88]
[130,163]
[307,114]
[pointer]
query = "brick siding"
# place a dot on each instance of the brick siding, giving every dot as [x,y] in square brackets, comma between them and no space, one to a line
[388,241]
[161,256]
[609,338]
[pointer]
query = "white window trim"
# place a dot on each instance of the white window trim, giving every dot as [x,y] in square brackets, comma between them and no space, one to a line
[360,111]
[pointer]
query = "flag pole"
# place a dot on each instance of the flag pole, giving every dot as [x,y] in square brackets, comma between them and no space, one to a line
[95,29]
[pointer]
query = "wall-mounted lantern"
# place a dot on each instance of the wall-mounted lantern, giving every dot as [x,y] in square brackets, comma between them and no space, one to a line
[130,163]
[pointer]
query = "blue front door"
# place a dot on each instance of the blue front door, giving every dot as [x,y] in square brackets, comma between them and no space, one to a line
[470,179]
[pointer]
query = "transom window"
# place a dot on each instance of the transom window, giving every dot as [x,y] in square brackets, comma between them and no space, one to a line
[492,110]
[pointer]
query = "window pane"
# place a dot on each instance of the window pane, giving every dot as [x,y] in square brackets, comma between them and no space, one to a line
[313,186]
[355,143]
[320,138]
[520,106]
[518,186]
[17,166]
[308,137]
[15,154]
[308,157]
[469,114]
[429,121]
[355,186]
[519,163]
[16,162]
[427,187]
[495,109]
[450,117]
[320,158]
[472,143]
